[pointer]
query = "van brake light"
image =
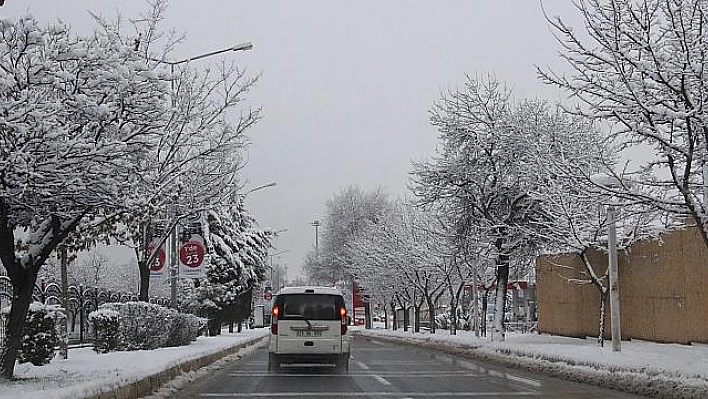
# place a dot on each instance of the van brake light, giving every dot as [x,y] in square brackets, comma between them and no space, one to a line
[274,320]
[343,314]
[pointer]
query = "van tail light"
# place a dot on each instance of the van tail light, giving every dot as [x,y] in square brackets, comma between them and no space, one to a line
[274,320]
[343,314]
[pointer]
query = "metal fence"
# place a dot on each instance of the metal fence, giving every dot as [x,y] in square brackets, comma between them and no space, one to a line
[82,300]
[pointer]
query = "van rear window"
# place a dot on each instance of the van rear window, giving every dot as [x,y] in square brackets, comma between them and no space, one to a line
[309,306]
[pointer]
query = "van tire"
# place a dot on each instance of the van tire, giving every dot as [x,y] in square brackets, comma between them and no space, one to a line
[273,363]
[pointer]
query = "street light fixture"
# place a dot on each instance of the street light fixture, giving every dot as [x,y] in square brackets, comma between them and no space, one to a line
[239,47]
[261,187]
[612,183]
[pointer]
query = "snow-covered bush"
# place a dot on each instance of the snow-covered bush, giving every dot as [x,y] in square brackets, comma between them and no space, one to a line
[442,321]
[185,329]
[105,324]
[40,334]
[144,325]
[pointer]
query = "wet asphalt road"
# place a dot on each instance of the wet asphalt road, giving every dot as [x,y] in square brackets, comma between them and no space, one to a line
[380,369]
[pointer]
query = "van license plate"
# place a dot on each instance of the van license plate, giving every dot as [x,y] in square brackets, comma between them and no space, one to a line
[308,333]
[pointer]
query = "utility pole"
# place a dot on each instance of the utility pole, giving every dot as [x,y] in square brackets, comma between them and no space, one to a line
[614,281]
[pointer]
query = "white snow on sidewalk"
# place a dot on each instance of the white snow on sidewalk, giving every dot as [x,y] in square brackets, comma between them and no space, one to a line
[85,372]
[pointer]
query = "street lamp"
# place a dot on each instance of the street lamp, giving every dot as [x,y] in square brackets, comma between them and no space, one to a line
[239,47]
[271,184]
[174,270]
[612,183]
[317,225]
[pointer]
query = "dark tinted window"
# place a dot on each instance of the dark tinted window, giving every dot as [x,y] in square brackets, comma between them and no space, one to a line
[309,306]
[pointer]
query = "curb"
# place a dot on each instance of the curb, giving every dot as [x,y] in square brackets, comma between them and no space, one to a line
[625,380]
[150,383]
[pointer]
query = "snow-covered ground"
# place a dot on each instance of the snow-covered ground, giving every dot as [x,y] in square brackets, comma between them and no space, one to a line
[86,372]
[648,368]
[652,369]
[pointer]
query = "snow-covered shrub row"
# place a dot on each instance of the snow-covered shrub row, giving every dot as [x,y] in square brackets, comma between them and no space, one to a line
[105,326]
[185,329]
[144,325]
[40,334]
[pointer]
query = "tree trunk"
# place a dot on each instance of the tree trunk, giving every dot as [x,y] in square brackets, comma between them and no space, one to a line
[385,309]
[498,333]
[367,315]
[431,313]
[453,315]
[601,335]
[22,286]
[485,306]
[406,318]
[416,318]
[144,281]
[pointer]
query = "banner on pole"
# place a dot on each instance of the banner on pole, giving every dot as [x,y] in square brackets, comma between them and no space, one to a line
[158,268]
[191,250]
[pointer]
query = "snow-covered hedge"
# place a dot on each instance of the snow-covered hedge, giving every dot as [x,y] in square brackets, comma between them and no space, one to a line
[106,329]
[40,334]
[185,329]
[144,325]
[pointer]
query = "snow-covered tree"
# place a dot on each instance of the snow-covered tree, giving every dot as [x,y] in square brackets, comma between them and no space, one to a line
[348,214]
[196,163]
[640,67]
[238,261]
[78,118]
[483,166]
[569,159]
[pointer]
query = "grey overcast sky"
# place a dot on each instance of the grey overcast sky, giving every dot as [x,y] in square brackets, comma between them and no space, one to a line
[346,85]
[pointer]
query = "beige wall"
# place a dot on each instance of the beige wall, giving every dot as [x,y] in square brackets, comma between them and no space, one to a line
[663,291]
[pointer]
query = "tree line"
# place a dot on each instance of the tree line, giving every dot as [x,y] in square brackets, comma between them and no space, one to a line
[513,178]
[101,138]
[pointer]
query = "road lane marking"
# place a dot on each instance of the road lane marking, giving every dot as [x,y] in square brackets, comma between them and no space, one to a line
[527,381]
[339,394]
[362,365]
[394,374]
[381,380]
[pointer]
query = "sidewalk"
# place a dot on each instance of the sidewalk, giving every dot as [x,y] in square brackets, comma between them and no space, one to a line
[86,374]
[644,368]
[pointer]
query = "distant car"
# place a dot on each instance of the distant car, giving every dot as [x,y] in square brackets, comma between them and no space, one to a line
[308,327]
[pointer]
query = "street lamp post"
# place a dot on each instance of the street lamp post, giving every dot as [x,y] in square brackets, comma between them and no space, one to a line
[317,225]
[173,234]
[614,280]
[613,183]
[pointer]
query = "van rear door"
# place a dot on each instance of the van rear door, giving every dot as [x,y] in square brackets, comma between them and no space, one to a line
[309,323]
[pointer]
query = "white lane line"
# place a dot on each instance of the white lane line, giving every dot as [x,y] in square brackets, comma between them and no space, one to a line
[339,394]
[362,365]
[527,381]
[381,380]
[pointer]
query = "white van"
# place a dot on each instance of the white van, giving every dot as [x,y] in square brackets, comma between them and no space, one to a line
[308,326]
